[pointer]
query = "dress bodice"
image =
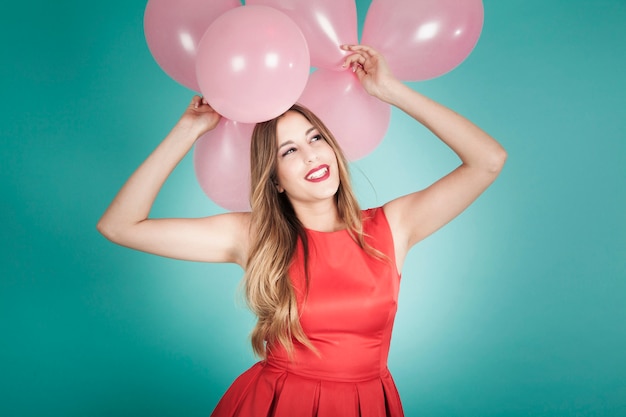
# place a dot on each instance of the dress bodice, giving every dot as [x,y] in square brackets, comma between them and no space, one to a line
[348,311]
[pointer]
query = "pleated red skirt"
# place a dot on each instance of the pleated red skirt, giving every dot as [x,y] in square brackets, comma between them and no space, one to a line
[267,391]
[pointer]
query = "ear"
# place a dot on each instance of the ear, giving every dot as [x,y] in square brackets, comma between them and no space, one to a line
[276,184]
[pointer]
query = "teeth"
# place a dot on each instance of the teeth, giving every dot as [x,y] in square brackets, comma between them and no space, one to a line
[318,174]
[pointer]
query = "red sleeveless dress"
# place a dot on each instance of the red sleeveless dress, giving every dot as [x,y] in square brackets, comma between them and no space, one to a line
[348,315]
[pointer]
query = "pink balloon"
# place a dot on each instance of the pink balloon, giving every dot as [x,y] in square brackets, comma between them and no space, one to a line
[173,29]
[253,63]
[357,120]
[221,160]
[423,39]
[326,25]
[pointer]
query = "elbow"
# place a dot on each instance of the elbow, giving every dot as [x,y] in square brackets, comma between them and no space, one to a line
[120,233]
[107,230]
[103,228]
[497,160]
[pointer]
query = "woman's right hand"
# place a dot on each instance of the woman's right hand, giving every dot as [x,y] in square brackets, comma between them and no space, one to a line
[200,116]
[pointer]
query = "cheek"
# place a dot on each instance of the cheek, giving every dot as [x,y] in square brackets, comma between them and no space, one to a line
[331,156]
[330,152]
[284,171]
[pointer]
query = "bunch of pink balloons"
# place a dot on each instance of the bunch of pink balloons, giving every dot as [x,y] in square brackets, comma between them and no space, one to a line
[253,62]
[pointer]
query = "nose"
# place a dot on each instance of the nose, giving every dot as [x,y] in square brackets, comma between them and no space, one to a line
[310,155]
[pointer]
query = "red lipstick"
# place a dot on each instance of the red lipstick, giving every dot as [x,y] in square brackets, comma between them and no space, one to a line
[318,174]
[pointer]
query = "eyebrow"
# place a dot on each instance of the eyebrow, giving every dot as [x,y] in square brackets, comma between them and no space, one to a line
[289,141]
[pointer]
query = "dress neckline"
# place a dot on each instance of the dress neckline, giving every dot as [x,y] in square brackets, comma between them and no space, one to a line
[319,232]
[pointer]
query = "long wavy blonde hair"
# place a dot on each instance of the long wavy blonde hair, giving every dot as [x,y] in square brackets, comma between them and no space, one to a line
[275,230]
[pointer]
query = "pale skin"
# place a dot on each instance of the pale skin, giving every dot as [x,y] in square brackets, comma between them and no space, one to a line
[301,159]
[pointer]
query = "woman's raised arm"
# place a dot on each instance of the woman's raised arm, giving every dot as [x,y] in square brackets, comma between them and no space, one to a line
[221,238]
[417,215]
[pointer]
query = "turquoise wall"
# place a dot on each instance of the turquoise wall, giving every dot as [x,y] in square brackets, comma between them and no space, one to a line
[517,308]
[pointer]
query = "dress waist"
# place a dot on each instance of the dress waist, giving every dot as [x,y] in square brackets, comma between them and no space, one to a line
[332,365]
[272,366]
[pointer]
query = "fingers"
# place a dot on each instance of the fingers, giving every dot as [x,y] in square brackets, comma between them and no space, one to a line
[361,54]
[198,101]
[348,47]
[364,50]
[355,60]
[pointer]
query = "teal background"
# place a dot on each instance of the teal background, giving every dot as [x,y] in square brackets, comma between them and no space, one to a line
[516,308]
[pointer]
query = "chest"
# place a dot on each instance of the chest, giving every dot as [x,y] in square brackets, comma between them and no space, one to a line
[349,290]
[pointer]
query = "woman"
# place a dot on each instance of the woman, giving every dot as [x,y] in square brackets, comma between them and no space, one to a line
[321,275]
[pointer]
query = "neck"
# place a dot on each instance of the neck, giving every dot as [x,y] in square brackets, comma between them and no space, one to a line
[322,216]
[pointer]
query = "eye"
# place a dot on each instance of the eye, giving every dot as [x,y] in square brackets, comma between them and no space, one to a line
[289,151]
[316,138]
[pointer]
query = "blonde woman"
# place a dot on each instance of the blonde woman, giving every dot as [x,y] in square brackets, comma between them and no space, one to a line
[321,274]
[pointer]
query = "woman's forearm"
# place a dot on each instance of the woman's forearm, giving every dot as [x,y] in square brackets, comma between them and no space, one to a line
[133,202]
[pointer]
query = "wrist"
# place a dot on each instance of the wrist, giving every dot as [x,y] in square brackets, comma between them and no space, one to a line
[196,124]
[188,129]
[391,91]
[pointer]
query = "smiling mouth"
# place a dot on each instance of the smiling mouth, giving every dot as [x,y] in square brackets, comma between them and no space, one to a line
[318,174]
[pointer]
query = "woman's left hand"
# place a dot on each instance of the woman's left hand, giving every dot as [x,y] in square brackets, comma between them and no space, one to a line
[371,69]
